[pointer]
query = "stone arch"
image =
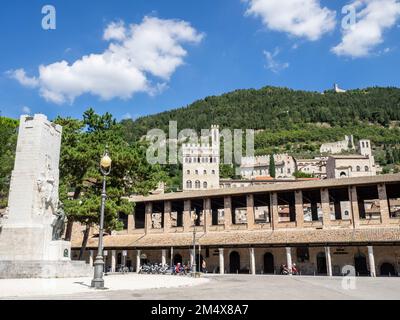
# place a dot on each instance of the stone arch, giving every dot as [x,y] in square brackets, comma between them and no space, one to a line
[387,269]
[269,263]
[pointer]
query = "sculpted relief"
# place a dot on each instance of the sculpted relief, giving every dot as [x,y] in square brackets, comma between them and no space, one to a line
[47,190]
[156,220]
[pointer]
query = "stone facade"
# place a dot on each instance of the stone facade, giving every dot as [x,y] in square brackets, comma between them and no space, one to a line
[254,167]
[201,163]
[339,146]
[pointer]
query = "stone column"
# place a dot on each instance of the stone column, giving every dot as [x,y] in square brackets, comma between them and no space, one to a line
[355,213]
[299,209]
[326,210]
[275,210]
[187,219]
[252,261]
[131,223]
[384,204]
[138,253]
[207,214]
[228,212]
[148,212]
[250,211]
[221,261]
[371,258]
[163,257]
[289,259]
[192,257]
[91,255]
[113,260]
[167,216]
[328,261]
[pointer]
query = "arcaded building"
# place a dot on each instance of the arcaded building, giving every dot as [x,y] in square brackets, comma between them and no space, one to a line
[324,226]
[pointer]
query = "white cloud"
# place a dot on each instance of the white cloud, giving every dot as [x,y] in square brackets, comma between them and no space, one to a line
[136,56]
[272,64]
[22,78]
[115,31]
[26,110]
[299,18]
[373,18]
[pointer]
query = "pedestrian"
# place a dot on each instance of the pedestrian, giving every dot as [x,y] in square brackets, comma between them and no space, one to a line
[204,266]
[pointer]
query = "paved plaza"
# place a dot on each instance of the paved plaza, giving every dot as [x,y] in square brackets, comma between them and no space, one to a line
[227,287]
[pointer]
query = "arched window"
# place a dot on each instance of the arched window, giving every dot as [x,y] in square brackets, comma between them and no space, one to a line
[205,172]
[358,168]
[205,185]
[366,168]
[189,184]
[197,184]
[196,172]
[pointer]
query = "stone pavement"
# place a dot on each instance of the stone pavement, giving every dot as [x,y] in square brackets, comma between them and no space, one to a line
[80,287]
[210,287]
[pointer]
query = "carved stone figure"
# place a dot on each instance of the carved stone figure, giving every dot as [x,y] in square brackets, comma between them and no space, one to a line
[59,222]
[156,220]
[47,190]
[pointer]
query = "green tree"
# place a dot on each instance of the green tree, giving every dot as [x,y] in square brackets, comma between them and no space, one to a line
[83,144]
[272,169]
[8,141]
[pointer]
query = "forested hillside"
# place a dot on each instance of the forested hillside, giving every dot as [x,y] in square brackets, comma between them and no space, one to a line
[293,121]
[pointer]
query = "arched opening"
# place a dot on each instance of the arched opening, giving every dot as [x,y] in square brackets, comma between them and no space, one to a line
[321,263]
[360,264]
[234,262]
[177,259]
[189,184]
[205,185]
[197,184]
[342,174]
[387,269]
[268,263]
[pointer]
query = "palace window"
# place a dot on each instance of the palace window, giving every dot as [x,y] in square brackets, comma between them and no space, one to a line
[213,171]
[205,185]
[358,168]
[197,184]
[366,168]
[196,172]
[188,172]
[189,184]
[205,172]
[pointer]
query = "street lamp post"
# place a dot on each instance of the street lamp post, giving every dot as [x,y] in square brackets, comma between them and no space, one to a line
[98,281]
[194,245]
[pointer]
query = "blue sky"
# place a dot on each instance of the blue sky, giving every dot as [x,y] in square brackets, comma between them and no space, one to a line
[207,47]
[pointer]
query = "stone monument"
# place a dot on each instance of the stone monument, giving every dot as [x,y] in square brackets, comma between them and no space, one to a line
[30,244]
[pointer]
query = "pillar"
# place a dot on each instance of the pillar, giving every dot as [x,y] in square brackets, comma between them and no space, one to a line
[148,212]
[289,259]
[207,214]
[252,261]
[163,257]
[113,260]
[138,261]
[131,223]
[250,211]
[221,261]
[275,211]
[326,210]
[228,212]
[384,204]
[187,220]
[167,216]
[355,213]
[328,261]
[371,258]
[299,209]
[192,257]
[91,254]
